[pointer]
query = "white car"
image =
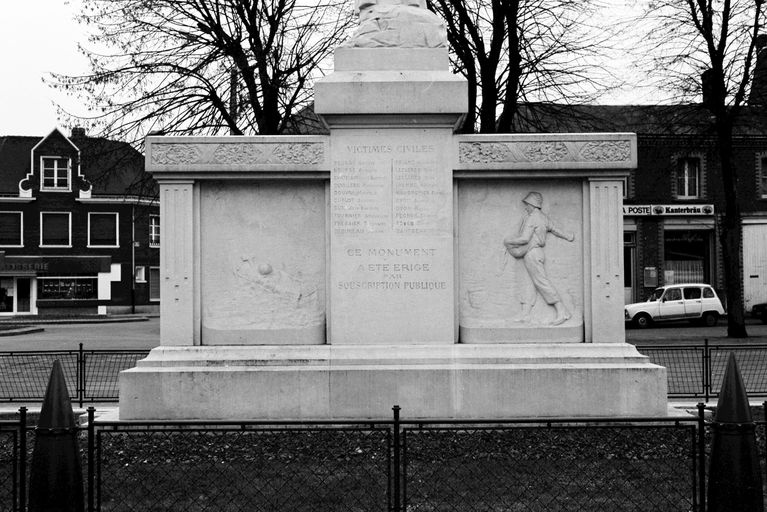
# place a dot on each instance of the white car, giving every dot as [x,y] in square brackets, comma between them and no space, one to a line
[696,302]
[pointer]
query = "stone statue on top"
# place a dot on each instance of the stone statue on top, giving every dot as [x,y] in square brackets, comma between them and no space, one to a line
[397,24]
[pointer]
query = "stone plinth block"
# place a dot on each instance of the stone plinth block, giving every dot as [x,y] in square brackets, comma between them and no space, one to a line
[391,81]
[364,382]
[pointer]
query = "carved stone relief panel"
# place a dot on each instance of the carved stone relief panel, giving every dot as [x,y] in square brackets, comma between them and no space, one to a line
[263,262]
[565,152]
[251,153]
[520,253]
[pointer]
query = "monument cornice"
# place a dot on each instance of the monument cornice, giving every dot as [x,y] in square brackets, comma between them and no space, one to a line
[537,152]
[289,156]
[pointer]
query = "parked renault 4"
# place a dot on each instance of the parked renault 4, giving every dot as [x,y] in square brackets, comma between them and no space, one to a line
[692,301]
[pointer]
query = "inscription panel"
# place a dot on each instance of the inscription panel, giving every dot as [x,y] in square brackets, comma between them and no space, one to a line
[391,237]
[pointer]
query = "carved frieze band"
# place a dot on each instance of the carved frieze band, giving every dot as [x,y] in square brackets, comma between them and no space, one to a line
[497,152]
[232,153]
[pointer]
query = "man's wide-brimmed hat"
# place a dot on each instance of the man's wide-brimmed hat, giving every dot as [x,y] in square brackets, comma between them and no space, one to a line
[534,199]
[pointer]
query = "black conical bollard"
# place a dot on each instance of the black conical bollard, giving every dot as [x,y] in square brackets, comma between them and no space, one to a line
[735,480]
[56,478]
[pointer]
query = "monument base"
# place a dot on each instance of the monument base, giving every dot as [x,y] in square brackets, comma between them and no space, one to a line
[363,382]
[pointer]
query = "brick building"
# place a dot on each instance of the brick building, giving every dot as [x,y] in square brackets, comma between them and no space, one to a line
[79,227]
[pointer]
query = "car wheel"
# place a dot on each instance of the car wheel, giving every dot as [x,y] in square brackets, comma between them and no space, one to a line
[642,320]
[710,319]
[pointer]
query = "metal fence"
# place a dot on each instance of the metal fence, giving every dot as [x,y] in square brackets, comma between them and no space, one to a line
[9,468]
[696,371]
[397,465]
[91,375]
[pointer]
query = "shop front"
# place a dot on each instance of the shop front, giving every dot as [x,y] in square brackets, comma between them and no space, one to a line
[668,244]
[50,285]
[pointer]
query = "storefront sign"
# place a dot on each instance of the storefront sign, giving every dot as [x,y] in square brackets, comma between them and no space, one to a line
[667,209]
[18,264]
[66,265]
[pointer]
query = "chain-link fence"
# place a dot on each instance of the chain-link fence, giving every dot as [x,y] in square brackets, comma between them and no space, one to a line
[620,464]
[91,375]
[576,464]
[696,371]
[9,469]
[551,467]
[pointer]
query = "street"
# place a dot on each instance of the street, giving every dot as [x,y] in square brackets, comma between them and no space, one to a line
[112,335]
[684,333]
[146,335]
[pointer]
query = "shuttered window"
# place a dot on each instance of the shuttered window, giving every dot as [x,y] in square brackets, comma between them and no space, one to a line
[55,229]
[103,229]
[11,225]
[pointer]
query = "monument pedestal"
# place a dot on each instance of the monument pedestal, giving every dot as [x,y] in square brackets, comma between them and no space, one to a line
[361,381]
[392,263]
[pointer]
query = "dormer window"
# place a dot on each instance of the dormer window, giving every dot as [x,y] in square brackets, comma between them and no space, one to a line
[56,173]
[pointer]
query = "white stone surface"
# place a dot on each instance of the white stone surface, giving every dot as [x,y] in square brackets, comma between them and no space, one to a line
[498,301]
[405,255]
[267,285]
[391,81]
[342,382]
[178,284]
[392,59]
[567,153]
[391,274]
[397,23]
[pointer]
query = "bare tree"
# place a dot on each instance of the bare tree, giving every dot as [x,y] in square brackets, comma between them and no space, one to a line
[203,66]
[705,49]
[514,51]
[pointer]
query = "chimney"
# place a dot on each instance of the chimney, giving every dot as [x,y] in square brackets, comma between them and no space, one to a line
[758,95]
[78,132]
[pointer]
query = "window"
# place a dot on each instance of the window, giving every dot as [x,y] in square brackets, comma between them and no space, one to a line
[140,275]
[762,177]
[55,229]
[154,283]
[688,178]
[56,173]
[708,293]
[103,230]
[154,231]
[691,293]
[67,288]
[11,229]
[673,294]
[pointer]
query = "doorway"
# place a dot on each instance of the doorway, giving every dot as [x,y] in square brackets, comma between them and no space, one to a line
[23,295]
[16,295]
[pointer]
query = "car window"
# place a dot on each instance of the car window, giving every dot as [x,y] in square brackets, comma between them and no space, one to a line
[656,295]
[708,293]
[692,293]
[673,294]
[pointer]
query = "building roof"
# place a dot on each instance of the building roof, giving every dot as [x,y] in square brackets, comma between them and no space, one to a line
[650,120]
[112,167]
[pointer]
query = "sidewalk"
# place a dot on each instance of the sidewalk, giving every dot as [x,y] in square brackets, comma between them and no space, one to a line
[84,319]
[16,325]
[683,333]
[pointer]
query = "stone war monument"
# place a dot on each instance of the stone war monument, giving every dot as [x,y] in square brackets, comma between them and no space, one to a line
[392,261]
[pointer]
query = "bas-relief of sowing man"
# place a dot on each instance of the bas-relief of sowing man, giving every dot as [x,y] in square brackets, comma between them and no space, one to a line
[528,245]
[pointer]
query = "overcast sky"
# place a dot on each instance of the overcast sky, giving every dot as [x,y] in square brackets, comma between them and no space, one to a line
[41,36]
